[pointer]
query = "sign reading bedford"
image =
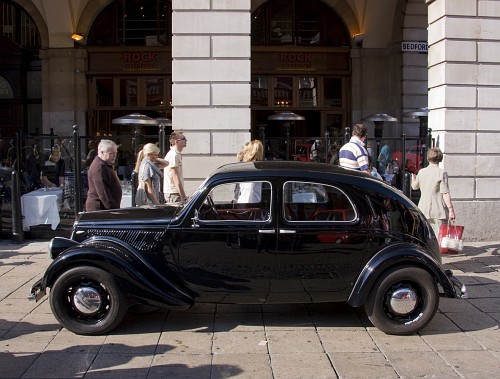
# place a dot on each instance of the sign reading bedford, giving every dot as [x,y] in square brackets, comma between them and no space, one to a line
[419,47]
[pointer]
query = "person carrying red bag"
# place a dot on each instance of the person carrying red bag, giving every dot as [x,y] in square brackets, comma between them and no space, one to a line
[435,200]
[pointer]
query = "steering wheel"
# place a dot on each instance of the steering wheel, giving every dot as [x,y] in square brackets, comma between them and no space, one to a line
[212,207]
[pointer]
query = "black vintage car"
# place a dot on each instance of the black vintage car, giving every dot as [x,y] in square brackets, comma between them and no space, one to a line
[255,233]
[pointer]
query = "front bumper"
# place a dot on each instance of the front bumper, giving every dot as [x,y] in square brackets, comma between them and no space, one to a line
[458,286]
[36,292]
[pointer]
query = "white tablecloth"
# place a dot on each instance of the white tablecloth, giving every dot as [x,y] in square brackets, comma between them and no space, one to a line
[41,207]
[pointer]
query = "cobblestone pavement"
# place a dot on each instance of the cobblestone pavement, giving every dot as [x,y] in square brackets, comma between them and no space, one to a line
[301,341]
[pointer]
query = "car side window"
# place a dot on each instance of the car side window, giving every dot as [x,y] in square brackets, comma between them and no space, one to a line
[389,215]
[314,202]
[237,201]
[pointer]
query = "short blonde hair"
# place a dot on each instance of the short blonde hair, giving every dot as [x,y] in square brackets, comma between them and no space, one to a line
[150,148]
[434,155]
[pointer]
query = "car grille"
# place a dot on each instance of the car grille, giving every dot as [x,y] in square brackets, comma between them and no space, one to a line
[140,240]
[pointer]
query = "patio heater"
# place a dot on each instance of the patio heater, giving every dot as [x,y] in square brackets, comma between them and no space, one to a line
[162,123]
[134,119]
[423,116]
[287,118]
[379,119]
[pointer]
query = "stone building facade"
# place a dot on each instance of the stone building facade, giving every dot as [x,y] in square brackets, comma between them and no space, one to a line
[212,63]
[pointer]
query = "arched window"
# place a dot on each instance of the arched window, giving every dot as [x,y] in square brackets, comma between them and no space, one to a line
[298,22]
[17,26]
[133,23]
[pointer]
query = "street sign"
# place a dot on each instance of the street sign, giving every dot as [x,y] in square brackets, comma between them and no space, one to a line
[414,46]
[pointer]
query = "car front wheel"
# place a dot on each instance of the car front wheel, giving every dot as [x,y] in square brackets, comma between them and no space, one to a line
[403,300]
[87,300]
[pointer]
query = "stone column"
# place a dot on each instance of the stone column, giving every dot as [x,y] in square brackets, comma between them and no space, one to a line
[464,105]
[64,90]
[210,82]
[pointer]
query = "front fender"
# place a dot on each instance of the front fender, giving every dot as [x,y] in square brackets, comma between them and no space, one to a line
[392,255]
[138,277]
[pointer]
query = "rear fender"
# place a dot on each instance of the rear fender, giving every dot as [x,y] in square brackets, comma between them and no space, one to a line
[393,255]
[138,277]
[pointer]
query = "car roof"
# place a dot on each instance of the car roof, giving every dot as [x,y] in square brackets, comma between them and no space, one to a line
[273,168]
[301,170]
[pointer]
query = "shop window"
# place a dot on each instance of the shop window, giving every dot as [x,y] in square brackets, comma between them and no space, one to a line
[332,92]
[308,92]
[283,91]
[139,92]
[17,26]
[154,92]
[104,92]
[298,22]
[128,92]
[133,23]
[259,91]
[281,17]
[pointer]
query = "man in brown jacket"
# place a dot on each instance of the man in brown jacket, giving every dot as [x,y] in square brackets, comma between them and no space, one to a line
[105,191]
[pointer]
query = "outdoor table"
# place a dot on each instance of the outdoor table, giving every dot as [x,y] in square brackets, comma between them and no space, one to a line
[41,207]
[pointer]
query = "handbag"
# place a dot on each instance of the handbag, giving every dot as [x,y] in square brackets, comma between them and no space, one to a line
[141,196]
[450,238]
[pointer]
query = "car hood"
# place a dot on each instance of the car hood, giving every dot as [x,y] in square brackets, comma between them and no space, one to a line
[130,216]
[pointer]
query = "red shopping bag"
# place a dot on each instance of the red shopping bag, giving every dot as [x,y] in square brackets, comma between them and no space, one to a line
[450,238]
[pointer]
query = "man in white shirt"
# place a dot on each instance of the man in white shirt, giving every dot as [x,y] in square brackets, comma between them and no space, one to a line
[173,181]
[353,154]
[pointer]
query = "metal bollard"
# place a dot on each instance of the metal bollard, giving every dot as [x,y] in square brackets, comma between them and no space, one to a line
[347,135]
[17,216]
[407,184]
[133,178]
[77,169]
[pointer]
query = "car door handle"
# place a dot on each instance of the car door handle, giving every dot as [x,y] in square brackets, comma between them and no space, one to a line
[267,231]
[286,231]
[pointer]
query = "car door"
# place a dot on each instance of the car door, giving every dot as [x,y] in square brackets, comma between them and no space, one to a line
[321,243]
[228,251]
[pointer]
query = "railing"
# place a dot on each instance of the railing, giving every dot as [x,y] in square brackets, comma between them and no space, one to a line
[15,181]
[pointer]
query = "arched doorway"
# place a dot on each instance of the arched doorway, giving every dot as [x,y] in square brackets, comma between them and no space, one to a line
[20,72]
[301,64]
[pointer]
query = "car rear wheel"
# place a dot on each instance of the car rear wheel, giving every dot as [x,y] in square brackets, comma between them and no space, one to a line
[87,300]
[403,300]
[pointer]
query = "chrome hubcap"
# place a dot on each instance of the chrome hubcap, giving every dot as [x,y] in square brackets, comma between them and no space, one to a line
[87,300]
[403,301]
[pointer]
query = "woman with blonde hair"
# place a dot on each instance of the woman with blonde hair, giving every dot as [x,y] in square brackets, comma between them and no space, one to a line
[149,175]
[250,192]
[251,151]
